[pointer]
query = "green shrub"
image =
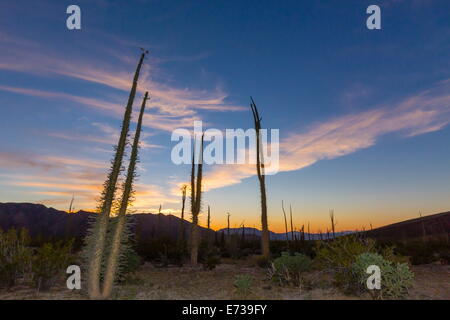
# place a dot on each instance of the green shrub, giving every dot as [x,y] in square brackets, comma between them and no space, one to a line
[342,251]
[15,256]
[389,254]
[396,278]
[339,255]
[243,283]
[49,263]
[131,261]
[287,269]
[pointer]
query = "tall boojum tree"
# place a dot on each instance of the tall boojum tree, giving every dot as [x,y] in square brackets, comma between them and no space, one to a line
[119,232]
[262,182]
[96,240]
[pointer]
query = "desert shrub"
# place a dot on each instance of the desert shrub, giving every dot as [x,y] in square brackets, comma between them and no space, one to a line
[243,283]
[212,259]
[389,254]
[423,252]
[15,256]
[396,278]
[342,251]
[49,263]
[288,268]
[339,255]
[131,261]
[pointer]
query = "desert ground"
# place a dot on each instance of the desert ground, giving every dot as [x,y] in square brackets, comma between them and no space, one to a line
[432,281]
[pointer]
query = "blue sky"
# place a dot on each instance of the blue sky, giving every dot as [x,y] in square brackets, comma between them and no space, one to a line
[363,114]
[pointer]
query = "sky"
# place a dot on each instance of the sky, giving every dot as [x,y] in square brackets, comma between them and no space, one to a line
[362,114]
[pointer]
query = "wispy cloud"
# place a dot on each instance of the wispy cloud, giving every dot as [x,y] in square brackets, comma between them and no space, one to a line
[172,106]
[424,112]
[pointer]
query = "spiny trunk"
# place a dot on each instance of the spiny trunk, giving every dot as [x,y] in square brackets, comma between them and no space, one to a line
[196,194]
[101,227]
[262,184]
[113,259]
[285,225]
[183,202]
[292,225]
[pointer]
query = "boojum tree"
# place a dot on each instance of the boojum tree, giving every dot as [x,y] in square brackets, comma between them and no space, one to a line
[120,231]
[262,182]
[196,197]
[183,203]
[285,225]
[96,240]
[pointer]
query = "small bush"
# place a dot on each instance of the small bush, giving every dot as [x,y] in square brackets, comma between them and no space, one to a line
[396,278]
[339,255]
[243,283]
[287,269]
[212,259]
[131,261]
[15,256]
[49,263]
[389,254]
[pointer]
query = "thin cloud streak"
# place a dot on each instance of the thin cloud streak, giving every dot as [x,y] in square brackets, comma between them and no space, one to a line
[424,112]
[170,103]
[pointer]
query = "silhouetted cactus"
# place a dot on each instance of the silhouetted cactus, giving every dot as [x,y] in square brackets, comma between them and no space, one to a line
[285,225]
[196,195]
[262,183]
[209,218]
[292,225]
[183,203]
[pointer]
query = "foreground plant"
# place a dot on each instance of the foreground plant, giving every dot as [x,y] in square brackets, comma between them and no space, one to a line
[243,284]
[288,269]
[15,256]
[49,263]
[396,278]
[97,235]
[119,235]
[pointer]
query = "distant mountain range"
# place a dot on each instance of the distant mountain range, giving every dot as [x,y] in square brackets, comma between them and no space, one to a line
[283,236]
[51,223]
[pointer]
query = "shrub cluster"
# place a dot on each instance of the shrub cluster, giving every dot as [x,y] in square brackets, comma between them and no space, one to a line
[15,256]
[288,268]
[42,266]
[396,278]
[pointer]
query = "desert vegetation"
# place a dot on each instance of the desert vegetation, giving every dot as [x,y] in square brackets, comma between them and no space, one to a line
[119,254]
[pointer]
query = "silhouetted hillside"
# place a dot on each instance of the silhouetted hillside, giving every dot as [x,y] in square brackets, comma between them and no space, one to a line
[51,223]
[45,222]
[428,227]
